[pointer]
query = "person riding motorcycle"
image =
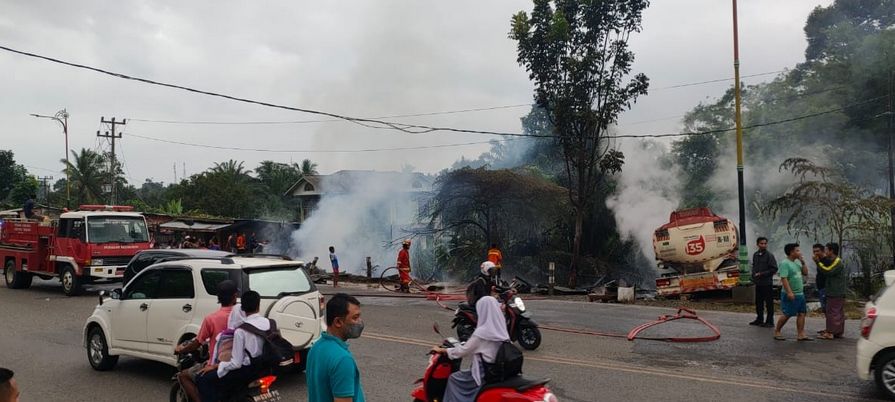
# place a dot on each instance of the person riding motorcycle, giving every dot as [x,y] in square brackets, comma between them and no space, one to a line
[490,333]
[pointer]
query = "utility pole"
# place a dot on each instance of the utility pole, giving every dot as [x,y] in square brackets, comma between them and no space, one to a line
[112,166]
[44,184]
[175,172]
[745,274]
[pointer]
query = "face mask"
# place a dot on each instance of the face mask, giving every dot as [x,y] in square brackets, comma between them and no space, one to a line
[354,330]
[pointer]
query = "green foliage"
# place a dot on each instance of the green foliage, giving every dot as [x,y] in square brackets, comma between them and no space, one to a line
[11,176]
[88,171]
[577,55]
[24,189]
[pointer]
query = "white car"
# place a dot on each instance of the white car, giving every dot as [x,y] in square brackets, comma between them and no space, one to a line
[876,346]
[165,304]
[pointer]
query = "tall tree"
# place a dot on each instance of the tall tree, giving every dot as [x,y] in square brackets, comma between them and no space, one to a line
[87,170]
[307,167]
[11,174]
[576,52]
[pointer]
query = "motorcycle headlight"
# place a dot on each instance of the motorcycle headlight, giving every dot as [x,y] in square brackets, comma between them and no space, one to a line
[550,397]
[519,304]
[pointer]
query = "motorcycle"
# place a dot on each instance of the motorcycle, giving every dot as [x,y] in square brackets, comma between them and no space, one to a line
[520,326]
[256,391]
[435,379]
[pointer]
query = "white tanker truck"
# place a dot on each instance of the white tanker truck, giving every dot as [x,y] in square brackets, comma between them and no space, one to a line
[696,251]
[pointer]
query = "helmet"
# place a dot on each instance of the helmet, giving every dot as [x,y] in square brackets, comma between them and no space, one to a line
[488,268]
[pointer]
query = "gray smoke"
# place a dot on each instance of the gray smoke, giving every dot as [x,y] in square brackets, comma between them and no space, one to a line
[360,214]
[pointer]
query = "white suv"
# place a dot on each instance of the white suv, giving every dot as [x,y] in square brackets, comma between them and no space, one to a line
[876,346]
[165,304]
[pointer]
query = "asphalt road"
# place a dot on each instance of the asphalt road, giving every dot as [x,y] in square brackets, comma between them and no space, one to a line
[41,340]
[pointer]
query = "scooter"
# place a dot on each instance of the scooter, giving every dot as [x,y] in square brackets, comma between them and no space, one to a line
[256,391]
[519,323]
[434,382]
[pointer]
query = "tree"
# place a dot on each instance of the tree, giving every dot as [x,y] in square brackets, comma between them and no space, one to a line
[576,52]
[226,189]
[88,174]
[307,168]
[278,177]
[477,207]
[11,175]
[823,204]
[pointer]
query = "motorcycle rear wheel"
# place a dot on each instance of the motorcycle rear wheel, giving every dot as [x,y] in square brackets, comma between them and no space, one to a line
[528,336]
[177,394]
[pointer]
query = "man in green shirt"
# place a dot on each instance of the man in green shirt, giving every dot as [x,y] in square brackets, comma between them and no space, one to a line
[332,374]
[792,298]
[836,278]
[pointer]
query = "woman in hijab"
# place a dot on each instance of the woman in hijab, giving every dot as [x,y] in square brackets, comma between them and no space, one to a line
[491,332]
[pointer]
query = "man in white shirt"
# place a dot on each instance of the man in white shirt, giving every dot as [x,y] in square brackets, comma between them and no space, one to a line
[223,378]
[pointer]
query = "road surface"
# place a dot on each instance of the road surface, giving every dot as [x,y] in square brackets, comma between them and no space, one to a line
[41,341]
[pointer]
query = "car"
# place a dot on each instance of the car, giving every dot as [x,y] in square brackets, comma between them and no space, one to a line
[165,304]
[876,345]
[146,258]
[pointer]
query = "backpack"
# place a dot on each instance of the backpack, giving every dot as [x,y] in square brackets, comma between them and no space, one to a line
[507,364]
[276,351]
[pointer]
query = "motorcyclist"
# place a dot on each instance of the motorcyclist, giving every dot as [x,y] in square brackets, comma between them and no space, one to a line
[490,333]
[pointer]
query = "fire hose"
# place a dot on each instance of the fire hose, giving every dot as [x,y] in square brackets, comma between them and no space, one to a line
[682,313]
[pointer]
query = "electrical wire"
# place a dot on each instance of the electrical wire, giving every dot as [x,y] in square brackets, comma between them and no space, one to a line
[296,151]
[720,80]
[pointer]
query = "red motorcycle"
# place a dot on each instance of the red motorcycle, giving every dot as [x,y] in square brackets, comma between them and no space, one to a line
[517,389]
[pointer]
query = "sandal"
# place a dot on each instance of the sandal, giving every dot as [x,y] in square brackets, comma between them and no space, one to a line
[779,338]
[826,336]
[805,339]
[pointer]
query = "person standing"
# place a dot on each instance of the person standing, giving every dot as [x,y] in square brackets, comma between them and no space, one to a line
[496,257]
[332,374]
[820,282]
[253,243]
[792,298]
[836,286]
[9,390]
[231,243]
[334,261]
[240,243]
[404,266]
[764,266]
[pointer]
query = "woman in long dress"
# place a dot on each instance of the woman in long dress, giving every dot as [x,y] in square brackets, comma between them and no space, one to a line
[491,331]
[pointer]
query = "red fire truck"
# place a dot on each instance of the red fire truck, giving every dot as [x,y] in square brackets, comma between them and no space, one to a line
[94,243]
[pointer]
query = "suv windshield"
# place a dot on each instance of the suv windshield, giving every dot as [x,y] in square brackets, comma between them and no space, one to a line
[117,229]
[274,281]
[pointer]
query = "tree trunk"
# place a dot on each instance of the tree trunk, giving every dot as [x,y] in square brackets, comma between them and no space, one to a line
[576,248]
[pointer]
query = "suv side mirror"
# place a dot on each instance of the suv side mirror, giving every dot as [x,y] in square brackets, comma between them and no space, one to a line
[115,294]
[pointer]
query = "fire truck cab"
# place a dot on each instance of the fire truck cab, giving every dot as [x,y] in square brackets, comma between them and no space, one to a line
[94,243]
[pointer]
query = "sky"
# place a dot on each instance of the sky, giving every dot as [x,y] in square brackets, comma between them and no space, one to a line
[362,58]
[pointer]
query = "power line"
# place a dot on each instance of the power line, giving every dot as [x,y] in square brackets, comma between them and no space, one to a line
[40,168]
[719,80]
[273,122]
[296,151]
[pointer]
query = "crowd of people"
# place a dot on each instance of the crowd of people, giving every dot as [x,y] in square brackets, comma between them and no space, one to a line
[237,243]
[831,282]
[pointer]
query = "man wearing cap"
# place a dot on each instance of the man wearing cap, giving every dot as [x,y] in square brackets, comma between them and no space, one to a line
[404,266]
[212,325]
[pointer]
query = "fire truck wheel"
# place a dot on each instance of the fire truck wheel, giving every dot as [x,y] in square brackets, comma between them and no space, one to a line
[98,351]
[71,282]
[16,279]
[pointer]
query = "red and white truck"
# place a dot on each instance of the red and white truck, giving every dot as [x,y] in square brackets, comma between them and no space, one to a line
[696,251]
[94,243]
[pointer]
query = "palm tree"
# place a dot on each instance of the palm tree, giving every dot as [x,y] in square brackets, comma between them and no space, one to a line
[230,168]
[88,174]
[307,168]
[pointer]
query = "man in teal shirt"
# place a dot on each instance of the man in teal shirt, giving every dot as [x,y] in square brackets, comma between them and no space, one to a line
[332,374]
[792,297]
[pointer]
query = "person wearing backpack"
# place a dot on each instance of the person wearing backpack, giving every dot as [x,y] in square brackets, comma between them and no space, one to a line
[218,379]
[486,341]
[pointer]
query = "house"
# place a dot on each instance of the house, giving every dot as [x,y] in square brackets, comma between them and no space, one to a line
[311,188]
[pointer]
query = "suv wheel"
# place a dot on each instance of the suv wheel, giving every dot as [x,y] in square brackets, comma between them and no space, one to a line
[98,351]
[71,282]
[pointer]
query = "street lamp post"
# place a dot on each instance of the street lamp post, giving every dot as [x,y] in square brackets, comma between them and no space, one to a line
[745,277]
[62,117]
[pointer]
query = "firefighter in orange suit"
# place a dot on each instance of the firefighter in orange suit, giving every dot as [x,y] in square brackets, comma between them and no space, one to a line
[404,266]
[496,257]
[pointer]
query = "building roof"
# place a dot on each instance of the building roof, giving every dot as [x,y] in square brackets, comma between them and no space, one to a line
[195,227]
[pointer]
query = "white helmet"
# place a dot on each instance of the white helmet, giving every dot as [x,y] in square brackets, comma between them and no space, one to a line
[488,268]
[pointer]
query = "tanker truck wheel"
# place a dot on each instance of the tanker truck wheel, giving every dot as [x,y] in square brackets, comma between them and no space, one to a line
[72,284]
[16,279]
